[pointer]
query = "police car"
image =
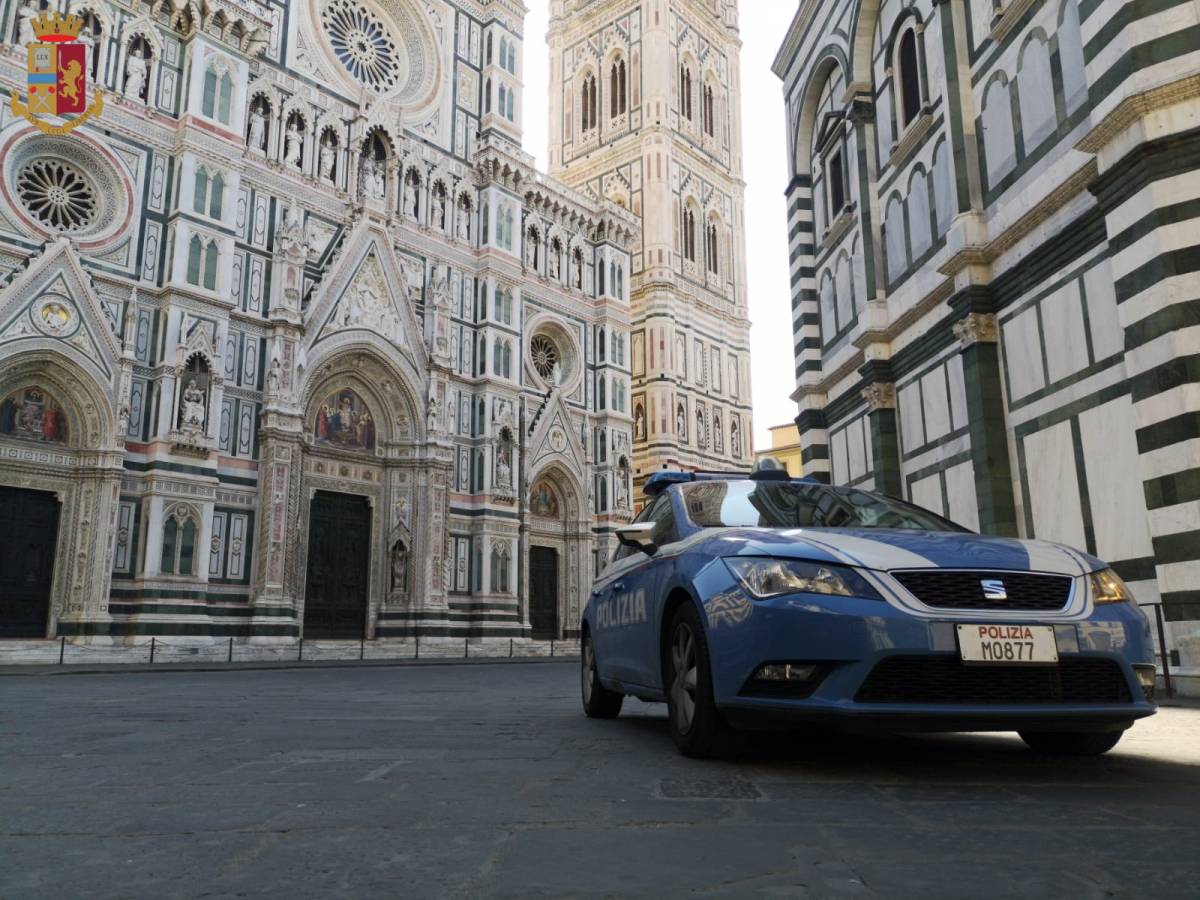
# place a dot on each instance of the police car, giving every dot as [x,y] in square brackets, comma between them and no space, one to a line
[748,602]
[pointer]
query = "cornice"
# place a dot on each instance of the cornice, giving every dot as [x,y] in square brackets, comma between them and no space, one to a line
[986,254]
[1137,106]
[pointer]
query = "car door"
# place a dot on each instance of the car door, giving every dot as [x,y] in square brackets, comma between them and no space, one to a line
[643,586]
[615,600]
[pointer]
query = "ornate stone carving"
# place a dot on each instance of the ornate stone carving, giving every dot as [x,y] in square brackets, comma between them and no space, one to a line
[977,328]
[881,395]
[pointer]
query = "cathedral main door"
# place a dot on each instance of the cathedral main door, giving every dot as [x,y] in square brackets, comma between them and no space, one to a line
[339,552]
[543,593]
[28,536]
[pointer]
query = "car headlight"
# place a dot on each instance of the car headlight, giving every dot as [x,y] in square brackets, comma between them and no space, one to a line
[1107,587]
[767,577]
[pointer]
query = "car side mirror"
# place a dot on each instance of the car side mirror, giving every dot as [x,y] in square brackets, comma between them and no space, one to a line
[639,536]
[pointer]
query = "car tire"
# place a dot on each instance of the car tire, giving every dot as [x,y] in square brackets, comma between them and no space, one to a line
[598,701]
[697,726]
[1071,743]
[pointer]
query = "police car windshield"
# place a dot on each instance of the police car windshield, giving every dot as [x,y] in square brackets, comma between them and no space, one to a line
[775,504]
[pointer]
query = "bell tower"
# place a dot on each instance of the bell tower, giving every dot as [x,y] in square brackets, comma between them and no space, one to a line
[645,110]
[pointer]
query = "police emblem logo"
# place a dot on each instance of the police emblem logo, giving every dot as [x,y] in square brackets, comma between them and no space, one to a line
[57,79]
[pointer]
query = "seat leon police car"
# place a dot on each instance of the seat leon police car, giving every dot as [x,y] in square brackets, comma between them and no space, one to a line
[760,601]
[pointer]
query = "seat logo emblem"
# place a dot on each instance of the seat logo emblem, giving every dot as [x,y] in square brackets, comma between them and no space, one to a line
[993,589]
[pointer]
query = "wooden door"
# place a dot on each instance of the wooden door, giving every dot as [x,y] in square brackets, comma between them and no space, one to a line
[339,541]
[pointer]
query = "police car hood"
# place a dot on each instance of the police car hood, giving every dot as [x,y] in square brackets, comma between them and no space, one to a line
[885,549]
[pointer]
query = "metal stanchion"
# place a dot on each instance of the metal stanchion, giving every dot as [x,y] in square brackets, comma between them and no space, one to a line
[152,640]
[466,648]
[362,648]
[230,650]
[62,649]
[300,653]
[510,648]
[1162,648]
[552,648]
[418,654]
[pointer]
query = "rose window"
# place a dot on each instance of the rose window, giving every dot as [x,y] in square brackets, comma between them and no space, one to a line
[364,44]
[545,355]
[57,194]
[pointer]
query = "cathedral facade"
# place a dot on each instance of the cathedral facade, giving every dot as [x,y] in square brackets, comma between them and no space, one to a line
[995,291]
[295,341]
[645,111]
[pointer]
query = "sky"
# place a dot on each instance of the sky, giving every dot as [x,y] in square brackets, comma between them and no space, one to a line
[763,26]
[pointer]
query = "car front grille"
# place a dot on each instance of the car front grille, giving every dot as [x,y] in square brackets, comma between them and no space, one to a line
[946,679]
[965,590]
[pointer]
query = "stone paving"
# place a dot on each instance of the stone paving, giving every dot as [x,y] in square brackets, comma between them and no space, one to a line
[487,780]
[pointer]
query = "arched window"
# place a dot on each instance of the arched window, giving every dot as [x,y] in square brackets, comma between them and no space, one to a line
[512,59]
[224,98]
[708,111]
[500,568]
[713,249]
[487,96]
[179,543]
[217,196]
[689,235]
[617,87]
[685,91]
[504,52]
[200,197]
[489,47]
[195,255]
[601,398]
[908,71]
[211,255]
[587,103]
[512,105]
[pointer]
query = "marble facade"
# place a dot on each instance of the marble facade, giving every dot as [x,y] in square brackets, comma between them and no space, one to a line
[992,210]
[308,272]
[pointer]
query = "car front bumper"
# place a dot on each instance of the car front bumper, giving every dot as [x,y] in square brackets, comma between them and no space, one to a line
[880,667]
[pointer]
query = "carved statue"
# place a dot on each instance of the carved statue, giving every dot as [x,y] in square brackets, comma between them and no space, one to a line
[531,250]
[292,144]
[135,76]
[622,481]
[639,424]
[25,16]
[325,162]
[258,130]
[399,567]
[680,423]
[434,414]
[274,377]
[377,179]
[504,465]
[440,286]
[464,223]
[555,264]
[194,412]
[556,374]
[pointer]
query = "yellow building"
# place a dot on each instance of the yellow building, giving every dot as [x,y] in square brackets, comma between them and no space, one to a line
[785,447]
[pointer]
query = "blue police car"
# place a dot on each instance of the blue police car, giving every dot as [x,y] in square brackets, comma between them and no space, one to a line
[749,602]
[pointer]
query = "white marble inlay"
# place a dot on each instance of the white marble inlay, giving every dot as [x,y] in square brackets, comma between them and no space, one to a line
[1054,486]
[1114,488]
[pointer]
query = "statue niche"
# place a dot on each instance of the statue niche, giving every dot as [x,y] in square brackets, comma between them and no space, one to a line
[192,416]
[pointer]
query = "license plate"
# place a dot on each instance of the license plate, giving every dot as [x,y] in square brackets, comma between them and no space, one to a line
[1008,644]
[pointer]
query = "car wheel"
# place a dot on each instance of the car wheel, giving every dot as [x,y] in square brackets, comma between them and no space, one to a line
[598,701]
[696,725]
[1071,743]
